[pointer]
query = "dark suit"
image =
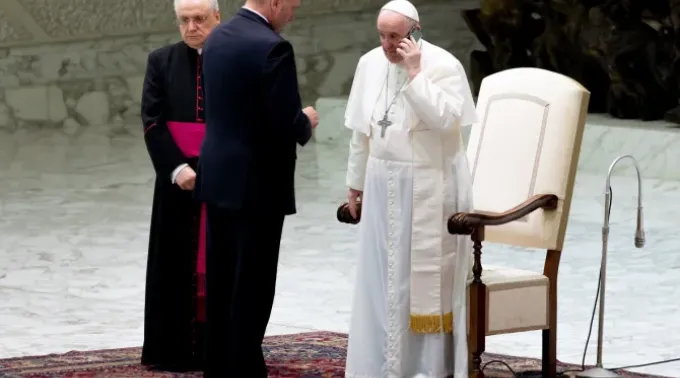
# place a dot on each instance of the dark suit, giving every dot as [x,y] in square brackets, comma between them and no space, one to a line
[246,176]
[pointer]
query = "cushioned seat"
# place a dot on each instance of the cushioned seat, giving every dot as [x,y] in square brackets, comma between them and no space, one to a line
[517,300]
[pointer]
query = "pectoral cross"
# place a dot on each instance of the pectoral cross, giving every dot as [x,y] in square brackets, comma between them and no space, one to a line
[384,123]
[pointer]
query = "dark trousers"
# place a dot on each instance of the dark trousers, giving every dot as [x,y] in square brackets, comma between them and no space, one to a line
[241,265]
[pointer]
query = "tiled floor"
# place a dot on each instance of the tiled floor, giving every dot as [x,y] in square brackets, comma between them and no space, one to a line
[74,213]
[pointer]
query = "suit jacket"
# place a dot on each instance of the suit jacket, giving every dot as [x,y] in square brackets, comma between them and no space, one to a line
[254,117]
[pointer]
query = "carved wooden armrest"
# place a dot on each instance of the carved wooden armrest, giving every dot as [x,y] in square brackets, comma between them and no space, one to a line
[344,215]
[467,223]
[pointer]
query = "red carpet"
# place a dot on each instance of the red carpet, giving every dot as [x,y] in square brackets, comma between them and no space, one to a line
[306,355]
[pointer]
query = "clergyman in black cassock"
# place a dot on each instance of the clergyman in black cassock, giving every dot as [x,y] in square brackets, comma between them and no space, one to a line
[254,121]
[173,120]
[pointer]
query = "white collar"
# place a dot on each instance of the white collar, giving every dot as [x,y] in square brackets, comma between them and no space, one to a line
[200,51]
[257,13]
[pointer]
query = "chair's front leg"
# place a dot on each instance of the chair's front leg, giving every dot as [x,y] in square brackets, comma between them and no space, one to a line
[478,327]
[477,307]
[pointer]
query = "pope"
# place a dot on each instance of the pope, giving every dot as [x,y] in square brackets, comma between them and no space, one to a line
[407,166]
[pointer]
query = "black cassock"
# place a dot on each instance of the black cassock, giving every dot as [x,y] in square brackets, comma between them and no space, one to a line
[172,116]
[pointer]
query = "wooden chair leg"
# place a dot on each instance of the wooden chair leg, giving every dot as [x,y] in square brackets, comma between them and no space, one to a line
[477,306]
[549,353]
[549,369]
[470,365]
[477,328]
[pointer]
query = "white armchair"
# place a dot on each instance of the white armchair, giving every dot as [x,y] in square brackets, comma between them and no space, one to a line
[523,156]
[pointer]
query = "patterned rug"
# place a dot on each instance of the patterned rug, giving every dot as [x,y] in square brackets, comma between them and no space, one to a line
[305,355]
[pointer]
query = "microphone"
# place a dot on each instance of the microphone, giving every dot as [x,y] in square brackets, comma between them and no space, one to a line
[598,370]
[639,239]
[639,231]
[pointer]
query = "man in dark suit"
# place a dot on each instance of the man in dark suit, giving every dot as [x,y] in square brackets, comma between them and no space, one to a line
[254,120]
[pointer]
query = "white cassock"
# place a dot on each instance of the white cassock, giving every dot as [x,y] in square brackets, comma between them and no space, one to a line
[409,315]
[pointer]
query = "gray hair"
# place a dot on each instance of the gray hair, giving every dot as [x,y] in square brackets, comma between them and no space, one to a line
[214,4]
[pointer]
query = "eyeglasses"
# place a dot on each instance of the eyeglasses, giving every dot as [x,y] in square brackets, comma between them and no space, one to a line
[197,20]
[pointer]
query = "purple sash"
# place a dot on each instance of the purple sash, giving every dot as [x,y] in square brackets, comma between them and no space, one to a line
[189,136]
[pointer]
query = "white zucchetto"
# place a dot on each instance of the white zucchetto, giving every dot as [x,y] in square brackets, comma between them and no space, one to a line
[403,7]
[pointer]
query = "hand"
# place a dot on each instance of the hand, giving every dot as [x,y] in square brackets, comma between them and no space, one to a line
[353,197]
[312,115]
[186,178]
[409,51]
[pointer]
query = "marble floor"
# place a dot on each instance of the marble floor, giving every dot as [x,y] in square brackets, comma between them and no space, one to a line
[74,212]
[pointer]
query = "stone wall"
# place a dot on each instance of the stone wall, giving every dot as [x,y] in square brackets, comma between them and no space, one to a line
[69,63]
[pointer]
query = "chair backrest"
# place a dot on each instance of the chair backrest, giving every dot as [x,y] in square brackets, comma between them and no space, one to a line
[527,142]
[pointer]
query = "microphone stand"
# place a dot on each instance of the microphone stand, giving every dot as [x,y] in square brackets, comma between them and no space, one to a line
[598,371]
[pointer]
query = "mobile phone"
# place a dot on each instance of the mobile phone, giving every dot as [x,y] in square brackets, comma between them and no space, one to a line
[416,34]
